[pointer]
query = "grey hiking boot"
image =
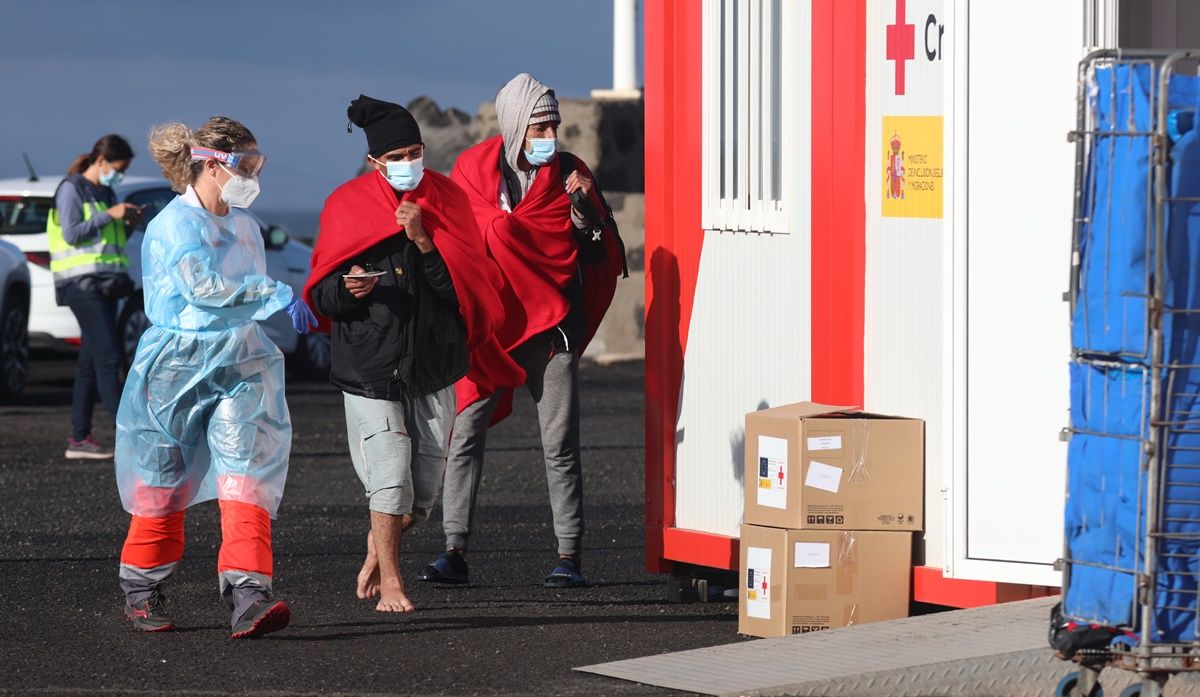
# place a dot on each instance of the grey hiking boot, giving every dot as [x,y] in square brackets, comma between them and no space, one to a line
[149,615]
[263,617]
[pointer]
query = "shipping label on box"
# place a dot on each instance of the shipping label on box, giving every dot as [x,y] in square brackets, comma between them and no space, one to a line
[758,582]
[772,472]
[824,443]
[824,477]
[811,555]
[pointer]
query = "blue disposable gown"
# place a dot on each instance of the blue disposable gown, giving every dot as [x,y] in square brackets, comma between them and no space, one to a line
[203,414]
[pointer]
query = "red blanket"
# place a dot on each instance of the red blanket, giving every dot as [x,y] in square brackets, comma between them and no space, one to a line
[362,213]
[534,247]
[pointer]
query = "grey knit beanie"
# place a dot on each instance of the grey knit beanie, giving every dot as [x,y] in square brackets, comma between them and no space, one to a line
[545,109]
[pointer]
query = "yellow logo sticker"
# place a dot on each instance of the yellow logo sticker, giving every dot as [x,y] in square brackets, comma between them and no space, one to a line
[912,166]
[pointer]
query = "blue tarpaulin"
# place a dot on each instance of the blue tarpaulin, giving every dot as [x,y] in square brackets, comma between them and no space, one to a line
[1110,380]
[1105,482]
[1115,268]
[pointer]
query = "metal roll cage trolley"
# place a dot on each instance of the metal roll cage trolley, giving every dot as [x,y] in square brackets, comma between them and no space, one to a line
[1135,648]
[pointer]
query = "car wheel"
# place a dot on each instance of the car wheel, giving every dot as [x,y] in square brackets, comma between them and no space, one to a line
[130,327]
[312,356]
[14,347]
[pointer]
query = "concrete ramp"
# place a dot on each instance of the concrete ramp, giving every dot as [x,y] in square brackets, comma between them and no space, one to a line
[996,651]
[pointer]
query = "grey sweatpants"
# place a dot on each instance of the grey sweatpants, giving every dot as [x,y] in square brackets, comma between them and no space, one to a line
[399,449]
[553,382]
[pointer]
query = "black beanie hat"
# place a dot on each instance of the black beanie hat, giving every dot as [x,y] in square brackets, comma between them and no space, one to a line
[388,126]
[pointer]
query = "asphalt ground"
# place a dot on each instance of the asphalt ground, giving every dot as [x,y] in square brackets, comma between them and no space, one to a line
[61,528]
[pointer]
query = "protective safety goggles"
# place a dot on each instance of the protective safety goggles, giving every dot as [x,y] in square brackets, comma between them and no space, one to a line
[247,164]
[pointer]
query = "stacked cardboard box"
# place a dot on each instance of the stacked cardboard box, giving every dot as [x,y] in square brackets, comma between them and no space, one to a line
[832,499]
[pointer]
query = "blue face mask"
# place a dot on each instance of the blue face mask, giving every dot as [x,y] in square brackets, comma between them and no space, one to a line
[112,178]
[541,150]
[405,175]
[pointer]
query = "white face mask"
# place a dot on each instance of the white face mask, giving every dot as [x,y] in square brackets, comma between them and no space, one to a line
[239,191]
[403,175]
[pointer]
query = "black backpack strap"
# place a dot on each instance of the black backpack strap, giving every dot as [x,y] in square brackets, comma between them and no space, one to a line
[567,164]
[612,225]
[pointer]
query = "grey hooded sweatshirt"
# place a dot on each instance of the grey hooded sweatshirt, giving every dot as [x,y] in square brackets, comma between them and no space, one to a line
[514,104]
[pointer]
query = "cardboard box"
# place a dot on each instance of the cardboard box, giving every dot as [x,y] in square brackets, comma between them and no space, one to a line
[815,466]
[799,581]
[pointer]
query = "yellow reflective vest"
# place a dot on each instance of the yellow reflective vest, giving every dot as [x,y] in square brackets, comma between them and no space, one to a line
[104,253]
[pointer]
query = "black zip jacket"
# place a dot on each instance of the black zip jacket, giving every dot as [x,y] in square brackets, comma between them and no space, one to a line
[406,337]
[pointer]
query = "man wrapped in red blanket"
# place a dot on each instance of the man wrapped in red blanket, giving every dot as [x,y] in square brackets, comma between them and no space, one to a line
[558,283]
[401,270]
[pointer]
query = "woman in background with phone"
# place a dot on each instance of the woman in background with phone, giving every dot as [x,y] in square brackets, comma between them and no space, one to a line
[87,232]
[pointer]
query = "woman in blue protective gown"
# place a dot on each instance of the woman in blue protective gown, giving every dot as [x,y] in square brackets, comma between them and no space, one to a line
[203,414]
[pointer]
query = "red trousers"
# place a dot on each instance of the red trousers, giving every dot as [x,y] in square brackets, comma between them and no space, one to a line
[245,540]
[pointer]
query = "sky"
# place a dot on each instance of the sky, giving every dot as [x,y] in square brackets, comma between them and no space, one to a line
[77,69]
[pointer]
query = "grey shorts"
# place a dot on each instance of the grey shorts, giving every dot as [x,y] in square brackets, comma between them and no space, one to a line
[399,449]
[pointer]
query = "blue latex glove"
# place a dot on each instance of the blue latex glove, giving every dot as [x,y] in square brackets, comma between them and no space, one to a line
[303,319]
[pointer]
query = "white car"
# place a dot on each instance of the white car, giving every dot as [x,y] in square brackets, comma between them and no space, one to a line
[14,317]
[26,205]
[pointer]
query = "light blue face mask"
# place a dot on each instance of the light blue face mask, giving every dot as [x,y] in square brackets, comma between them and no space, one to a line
[405,175]
[541,150]
[112,178]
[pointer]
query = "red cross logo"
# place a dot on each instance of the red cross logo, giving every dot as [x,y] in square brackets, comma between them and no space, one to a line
[900,44]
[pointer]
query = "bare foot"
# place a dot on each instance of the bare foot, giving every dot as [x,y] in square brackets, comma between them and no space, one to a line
[368,577]
[393,599]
